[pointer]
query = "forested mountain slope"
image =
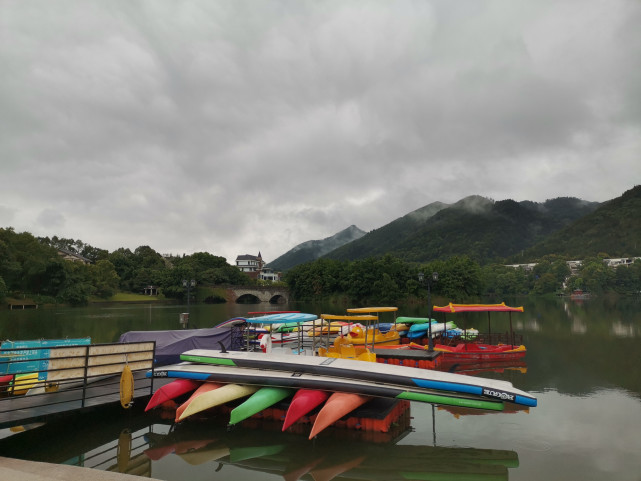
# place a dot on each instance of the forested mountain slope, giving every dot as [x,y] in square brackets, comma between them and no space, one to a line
[613,229]
[483,229]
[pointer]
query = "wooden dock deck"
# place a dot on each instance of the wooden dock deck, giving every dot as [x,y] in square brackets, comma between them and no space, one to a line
[36,471]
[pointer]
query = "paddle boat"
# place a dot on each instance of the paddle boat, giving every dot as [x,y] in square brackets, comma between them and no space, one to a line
[261,327]
[372,337]
[464,350]
[343,348]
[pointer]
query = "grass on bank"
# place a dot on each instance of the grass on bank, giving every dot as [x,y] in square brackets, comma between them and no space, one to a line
[130,297]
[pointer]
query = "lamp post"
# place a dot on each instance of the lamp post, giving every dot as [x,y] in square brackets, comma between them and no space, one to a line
[189,284]
[421,277]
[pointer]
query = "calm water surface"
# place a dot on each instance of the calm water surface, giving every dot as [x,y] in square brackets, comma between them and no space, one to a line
[583,364]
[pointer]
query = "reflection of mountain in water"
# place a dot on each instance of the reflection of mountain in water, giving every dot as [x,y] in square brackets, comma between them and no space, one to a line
[293,457]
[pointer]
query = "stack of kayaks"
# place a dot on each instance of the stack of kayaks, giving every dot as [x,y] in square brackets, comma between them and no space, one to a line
[336,386]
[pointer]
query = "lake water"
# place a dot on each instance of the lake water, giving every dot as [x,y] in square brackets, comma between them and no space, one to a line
[583,364]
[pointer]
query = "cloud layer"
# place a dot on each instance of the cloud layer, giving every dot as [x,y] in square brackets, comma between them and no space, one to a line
[239,126]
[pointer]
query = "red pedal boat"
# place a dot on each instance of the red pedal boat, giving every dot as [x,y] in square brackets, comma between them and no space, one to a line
[476,351]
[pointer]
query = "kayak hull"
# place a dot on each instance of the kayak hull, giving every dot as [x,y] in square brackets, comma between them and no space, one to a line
[338,405]
[202,389]
[171,391]
[216,397]
[373,372]
[261,399]
[303,402]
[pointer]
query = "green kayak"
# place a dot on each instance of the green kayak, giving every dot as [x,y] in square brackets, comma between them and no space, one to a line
[262,399]
[412,320]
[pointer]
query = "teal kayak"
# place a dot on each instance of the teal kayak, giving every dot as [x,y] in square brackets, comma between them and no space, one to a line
[262,399]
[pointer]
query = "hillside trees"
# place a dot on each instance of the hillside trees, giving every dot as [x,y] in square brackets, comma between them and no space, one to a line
[500,280]
[458,277]
[384,279]
[30,265]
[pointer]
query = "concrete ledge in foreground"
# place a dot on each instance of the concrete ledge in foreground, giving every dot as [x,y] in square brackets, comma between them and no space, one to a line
[35,471]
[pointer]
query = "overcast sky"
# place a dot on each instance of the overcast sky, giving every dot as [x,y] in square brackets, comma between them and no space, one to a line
[240,126]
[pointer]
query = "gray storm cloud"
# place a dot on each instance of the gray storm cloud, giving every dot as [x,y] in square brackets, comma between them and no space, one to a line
[238,126]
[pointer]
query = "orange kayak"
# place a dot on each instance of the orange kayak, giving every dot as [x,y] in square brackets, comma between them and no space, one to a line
[204,387]
[338,405]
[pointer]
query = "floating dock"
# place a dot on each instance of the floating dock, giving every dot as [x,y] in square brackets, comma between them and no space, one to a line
[48,381]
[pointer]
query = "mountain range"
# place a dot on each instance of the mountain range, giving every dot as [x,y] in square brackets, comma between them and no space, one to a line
[490,231]
[313,249]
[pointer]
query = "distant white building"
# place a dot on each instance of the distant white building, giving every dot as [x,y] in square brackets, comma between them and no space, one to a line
[625,261]
[268,274]
[527,267]
[248,263]
[575,266]
[255,268]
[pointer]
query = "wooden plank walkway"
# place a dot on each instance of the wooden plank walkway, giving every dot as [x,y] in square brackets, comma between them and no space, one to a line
[36,471]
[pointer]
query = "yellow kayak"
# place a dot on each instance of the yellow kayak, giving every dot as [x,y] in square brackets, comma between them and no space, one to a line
[216,397]
[23,382]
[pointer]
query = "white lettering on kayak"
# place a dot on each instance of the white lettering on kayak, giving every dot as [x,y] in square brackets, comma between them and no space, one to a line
[498,394]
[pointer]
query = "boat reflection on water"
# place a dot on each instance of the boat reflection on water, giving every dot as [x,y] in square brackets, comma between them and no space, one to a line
[145,444]
[293,457]
[478,367]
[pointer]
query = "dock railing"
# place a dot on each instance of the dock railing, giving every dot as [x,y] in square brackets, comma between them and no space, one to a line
[39,382]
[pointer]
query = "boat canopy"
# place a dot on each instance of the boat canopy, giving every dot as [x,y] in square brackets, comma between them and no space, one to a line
[283,317]
[477,308]
[371,310]
[333,317]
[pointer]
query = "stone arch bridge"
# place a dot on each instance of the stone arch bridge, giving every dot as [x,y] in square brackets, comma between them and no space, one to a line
[273,295]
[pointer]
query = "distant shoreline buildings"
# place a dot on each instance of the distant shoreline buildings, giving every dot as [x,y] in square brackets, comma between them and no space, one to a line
[576,265]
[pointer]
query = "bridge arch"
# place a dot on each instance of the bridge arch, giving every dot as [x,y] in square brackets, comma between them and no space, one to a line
[278,299]
[247,299]
[258,294]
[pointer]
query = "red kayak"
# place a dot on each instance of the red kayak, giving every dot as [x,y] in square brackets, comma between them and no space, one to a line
[205,387]
[338,405]
[303,402]
[155,454]
[171,391]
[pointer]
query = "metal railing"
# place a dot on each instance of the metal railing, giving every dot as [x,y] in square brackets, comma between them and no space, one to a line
[37,382]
